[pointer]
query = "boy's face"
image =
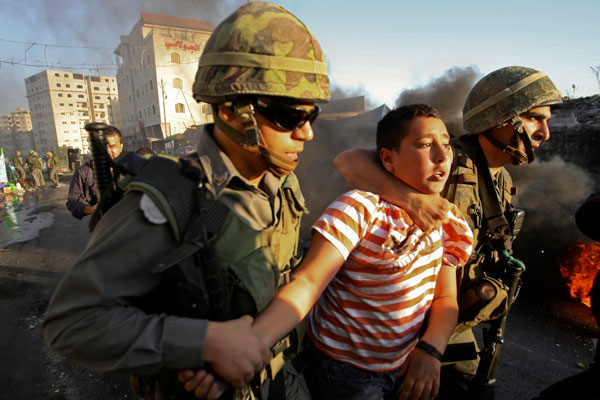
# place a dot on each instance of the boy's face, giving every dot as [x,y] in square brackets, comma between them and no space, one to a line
[424,158]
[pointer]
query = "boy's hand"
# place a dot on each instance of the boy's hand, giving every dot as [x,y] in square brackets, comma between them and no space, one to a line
[234,351]
[421,376]
[203,384]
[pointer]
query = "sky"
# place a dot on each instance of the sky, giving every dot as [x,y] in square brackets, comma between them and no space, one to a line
[379,48]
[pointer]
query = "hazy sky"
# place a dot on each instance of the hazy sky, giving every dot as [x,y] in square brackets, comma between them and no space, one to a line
[377,47]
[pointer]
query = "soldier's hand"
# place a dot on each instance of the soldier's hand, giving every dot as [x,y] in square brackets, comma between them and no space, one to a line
[428,211]
[233,351]
[203,384]
[421,376]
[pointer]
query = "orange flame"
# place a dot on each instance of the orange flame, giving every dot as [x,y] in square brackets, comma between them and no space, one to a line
[579,267]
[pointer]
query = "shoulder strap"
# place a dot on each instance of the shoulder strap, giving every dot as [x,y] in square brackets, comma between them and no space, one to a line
[494,221]
[172,184]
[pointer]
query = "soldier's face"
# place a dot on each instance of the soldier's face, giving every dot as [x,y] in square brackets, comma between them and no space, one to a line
[288,143]
[535,122]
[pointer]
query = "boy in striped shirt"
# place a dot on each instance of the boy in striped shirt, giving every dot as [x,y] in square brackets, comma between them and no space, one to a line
[375,277]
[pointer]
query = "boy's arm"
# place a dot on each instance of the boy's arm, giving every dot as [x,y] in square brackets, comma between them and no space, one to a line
[290,305]
[421,369]
[294,300]
[362,169]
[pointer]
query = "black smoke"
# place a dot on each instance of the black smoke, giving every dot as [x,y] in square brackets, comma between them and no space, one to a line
[447,93]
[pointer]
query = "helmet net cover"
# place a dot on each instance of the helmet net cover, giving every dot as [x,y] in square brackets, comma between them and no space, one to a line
[504,94]
[261,49]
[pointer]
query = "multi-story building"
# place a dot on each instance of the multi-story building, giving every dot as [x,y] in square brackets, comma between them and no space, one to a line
[15,132]
[63,102]
[159,58]
[18,121]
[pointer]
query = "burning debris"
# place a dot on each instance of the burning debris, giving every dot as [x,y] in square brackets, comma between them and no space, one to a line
[579,266]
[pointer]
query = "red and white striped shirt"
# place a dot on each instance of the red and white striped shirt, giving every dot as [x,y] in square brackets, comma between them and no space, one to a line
[372,311]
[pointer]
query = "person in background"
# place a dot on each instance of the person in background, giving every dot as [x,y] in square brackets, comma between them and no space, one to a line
[52,164]
[82,199]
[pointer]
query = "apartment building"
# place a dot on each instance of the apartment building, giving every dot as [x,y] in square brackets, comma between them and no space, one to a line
[18,121]
[61,103]
[159,58]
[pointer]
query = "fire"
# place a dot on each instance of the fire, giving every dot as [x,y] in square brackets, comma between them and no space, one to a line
[579,267]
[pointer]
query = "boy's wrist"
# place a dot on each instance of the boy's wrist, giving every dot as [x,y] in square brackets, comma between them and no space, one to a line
[430,349]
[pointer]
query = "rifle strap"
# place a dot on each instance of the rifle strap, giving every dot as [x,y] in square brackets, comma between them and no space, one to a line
[494,222]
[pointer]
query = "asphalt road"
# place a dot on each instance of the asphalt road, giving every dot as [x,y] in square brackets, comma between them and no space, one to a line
[549,336]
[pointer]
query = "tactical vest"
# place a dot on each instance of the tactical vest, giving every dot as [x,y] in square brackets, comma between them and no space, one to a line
[463,190]
[254,262]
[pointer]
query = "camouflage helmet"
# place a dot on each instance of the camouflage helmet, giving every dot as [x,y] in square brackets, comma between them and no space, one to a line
[504,94]
[261,49]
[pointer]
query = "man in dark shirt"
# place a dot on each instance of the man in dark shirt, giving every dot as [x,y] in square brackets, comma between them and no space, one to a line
[83,197]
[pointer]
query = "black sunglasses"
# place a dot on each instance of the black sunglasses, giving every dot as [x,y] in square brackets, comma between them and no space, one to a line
[285,116]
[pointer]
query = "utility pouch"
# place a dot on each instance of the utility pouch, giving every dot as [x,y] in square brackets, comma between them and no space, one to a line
[485,300]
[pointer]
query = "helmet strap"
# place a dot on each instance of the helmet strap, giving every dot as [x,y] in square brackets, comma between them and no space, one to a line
[520,133]
[278,164]
[517,156]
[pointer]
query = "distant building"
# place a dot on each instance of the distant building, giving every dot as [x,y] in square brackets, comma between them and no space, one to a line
[159,58]
[18,121]
[15,132]
[63,102]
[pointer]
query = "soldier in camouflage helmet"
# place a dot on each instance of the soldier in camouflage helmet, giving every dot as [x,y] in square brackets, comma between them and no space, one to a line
[262,71]
[506,118]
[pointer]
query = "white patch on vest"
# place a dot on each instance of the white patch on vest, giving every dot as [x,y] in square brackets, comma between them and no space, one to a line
[151,210]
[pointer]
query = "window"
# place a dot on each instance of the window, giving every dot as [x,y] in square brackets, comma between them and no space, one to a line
[96,88]
[77,76]
[153,109]
[60,95]
[151,88]
[56,74]
[66,75]
[179,108]
[61,104]
[177,83]
[69,95]
[175,58]
[97,97]
[80,96]
[79,87]
[67,85]
[140,113]
[58,85]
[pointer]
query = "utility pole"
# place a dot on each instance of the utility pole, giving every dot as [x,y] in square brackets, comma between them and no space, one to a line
[164,96]
[597,73]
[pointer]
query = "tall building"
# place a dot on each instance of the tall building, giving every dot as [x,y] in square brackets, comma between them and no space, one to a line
[62,102]
[15,132]
[18,121]
[159,58]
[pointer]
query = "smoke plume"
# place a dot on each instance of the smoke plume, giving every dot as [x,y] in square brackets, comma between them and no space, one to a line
[550,192]
[447,93]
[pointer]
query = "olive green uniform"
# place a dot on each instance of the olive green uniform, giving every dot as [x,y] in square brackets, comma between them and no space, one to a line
[53,169]
[18,164]
[36,171]
[463,190]
[96,317]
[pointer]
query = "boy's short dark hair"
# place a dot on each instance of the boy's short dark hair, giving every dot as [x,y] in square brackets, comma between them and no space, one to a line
[392,127]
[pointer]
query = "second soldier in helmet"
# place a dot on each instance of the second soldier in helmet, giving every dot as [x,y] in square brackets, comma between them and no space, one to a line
[103,314]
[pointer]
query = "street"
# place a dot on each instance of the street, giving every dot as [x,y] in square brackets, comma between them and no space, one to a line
[548,338]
